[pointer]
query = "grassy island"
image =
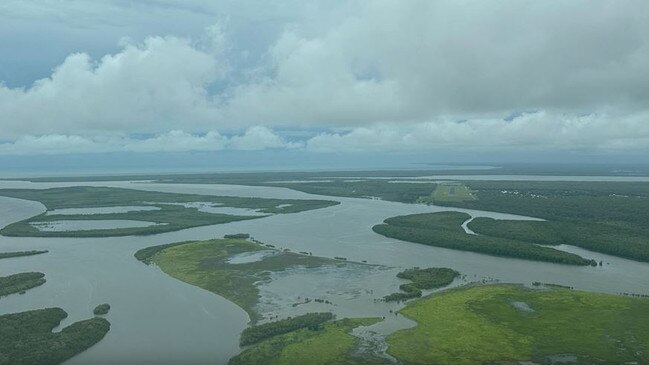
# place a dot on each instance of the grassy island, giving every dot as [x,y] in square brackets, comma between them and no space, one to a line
[505,324]
[27,337]
[19,283]
[206,265]
[444,229]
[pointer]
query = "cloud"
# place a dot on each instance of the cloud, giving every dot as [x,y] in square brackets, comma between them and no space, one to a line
[528,132]
[535,131]
[260,138]
[376,75]
[419,60]
[147,87]
[254,138]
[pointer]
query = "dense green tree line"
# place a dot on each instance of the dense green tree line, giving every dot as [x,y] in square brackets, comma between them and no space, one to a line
[599,216]
[383,189]
[6,255]
[595,237]
[261,332]
[243,236]
[444,230]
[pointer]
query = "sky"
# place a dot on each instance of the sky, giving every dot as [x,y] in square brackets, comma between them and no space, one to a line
[405,81]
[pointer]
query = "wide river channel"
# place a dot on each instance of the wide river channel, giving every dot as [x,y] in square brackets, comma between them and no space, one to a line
[156,319]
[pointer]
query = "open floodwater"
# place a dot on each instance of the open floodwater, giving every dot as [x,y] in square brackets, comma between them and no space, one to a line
[156,319]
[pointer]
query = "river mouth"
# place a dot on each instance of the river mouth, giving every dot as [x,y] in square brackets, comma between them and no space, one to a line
[159,319]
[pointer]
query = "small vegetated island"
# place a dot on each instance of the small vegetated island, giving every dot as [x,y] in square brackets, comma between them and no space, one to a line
[19,283]
[27,337]
[422,279]
[445,230]
[506,324]
[101,309]
[155,212]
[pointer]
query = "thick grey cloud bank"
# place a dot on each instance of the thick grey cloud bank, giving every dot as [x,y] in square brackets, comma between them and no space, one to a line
[376,75]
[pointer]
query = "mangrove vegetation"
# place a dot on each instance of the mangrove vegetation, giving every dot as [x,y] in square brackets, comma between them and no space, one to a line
[101,309]
[332,343]
[312,321]
[444,229]
[172,211]
[422,279]
[26,338]
[6,255]
[19,283]
[606,217]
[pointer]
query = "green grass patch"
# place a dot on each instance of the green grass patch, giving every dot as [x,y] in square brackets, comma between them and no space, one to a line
[19,283]
[205,264]
[449,192]
[330,344]
[6,255]
[27,337]
[509,323]
[422,279]
[444,229]
[170,217]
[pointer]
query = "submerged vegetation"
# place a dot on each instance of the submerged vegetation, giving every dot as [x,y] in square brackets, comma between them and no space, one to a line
[6,255]
[19,283]
[27,337]
[445,230]
[312,321]
[422,279]
[330,343]
[505,324]
[206,265]
[174,211]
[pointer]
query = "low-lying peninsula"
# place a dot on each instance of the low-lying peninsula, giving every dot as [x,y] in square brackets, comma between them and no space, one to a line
[444,229]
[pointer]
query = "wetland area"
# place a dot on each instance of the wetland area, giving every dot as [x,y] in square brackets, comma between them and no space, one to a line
[178,292]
